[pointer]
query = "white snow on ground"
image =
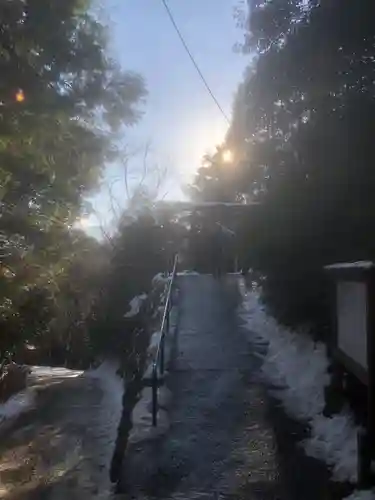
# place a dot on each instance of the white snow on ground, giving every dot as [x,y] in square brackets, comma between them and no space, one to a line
[187,272]
[51,372]
[113,387]
[154,344]
[25,399]
[16,405]
[362,264]
[298,368]
[160,279]
[107,419]
[135,305]
[361,495]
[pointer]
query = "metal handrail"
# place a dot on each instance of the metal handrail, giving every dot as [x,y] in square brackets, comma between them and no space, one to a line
[160,352]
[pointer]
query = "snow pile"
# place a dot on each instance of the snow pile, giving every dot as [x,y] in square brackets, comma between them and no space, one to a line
[160,279]
[135,305]
[39,373]
[297,367]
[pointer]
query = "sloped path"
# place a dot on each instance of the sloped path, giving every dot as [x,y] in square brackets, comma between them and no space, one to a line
[61,448]
[222,442]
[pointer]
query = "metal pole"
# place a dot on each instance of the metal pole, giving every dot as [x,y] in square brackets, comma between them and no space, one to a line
[162,354]
[236,263]
[154,395]
[168,317]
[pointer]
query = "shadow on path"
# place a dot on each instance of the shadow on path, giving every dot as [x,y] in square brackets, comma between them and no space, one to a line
[227,438]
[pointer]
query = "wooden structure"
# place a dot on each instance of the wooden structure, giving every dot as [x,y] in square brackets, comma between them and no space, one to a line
[353,343]
[216,214]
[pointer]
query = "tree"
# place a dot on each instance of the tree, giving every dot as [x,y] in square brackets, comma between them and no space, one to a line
[302,127]
[54,143]
[216,179]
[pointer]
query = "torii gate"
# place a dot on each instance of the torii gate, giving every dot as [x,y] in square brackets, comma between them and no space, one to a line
[217,209]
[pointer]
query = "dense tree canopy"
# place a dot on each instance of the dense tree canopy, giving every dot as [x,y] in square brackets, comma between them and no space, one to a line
[62,101]
[302,137]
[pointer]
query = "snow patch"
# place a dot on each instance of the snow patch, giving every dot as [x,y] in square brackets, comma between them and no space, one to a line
[361,495]
[25,399]
[143,429]
[160,279]
[17,404]
[51,372]
[187,273]
[154,344]
[297,367]
[135,305]
[110,410]
[362,264]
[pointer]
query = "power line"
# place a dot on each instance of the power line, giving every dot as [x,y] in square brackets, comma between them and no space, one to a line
[170,15]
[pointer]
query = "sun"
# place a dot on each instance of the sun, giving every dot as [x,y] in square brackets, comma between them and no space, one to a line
[227,156]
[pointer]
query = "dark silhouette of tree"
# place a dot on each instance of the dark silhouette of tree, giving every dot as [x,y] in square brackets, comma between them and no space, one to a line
[302,133]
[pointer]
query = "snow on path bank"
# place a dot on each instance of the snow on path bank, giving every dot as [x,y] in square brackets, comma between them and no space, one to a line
[106,374]
[135,305]
[17,404]
[298,368]
[25,400]
[110,411]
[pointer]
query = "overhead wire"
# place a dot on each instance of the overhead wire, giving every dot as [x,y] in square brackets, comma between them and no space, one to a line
[189,53]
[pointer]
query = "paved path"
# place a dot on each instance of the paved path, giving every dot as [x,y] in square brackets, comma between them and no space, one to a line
[226,440]
[62,448]
[222,442]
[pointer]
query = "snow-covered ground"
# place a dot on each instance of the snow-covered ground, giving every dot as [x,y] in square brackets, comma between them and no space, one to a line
[110,383]
[160,279]
[296,367]
[17,404]
[109,413]
[81,453]
[25,399]
[135,305]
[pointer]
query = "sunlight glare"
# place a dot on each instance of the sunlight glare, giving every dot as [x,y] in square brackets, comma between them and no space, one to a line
[84,222]
[227,156]
[20,96]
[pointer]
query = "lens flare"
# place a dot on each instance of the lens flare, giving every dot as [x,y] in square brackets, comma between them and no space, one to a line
[20,96]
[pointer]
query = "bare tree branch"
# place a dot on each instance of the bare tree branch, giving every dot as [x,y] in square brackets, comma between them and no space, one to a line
[145,166]
[115,205]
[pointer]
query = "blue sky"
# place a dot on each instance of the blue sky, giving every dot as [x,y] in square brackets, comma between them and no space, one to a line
[181,121]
